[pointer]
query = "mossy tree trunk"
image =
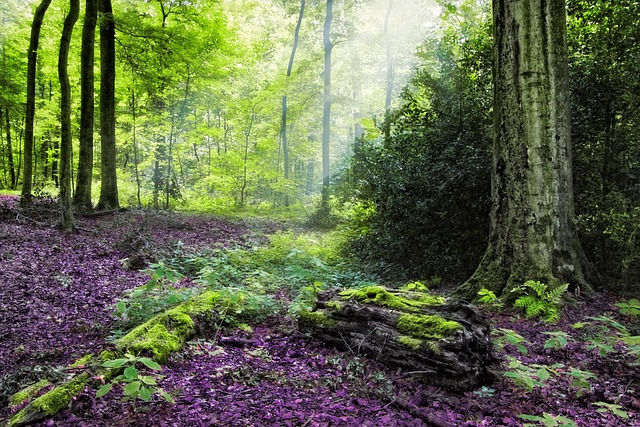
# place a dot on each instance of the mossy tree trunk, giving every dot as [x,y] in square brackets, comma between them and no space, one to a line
[532,234]
[67,221]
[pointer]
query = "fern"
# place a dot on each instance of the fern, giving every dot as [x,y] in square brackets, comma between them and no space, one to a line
[540,301]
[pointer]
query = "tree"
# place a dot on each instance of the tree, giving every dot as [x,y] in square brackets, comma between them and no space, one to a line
[531,234]
[82,198]
[66,211]
[31,101]
[109,181]
[326,118]
[283,129]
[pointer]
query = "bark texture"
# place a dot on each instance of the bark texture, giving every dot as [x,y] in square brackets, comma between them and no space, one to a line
[326,118]
[27,181]
[532,234]
[82,198]
[444,344]
[67,221]
[109,182]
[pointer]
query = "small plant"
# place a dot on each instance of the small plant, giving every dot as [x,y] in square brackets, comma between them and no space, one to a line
[485,391]
[611,408]
[135,385]
[630,308]
[485,296]
[548,420]
[507,336]
[580,380]
[530,376]
[306,298]
[537,300]
[558,340]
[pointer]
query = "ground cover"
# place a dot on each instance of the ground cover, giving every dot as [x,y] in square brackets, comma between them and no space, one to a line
[57,297]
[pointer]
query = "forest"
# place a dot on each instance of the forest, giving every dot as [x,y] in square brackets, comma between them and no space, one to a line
[319,213]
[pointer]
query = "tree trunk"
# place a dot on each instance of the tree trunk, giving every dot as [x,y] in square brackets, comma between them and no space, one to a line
[532,234]
[390,73]
[442,343]
[67,221]
[12,170]
[109,182]
[27,179]
[326,118]
[283,129]
[82,198]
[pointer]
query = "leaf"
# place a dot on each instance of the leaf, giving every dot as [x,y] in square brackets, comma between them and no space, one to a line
[144,394]
[543,374]
[132,388]
[131,373]
[150,363]
[149,380]
[166,396]
[104,390]
[115,363]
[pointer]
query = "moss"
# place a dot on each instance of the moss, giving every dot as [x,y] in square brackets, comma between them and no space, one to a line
[336,305]
[410,342]
[52,402]
[166,333]
[82,362]
[427,326]
[410,302]
[107,355]
[27,393]
[316,318]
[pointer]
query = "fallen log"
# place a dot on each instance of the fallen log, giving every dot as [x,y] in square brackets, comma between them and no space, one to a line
[443,343]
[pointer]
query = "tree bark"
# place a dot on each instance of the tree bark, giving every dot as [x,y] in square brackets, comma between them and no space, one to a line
[82,198]
[67,221]
[532,234]
[12,170]
[27,179]
[459,359]
[326,118]
[109,181]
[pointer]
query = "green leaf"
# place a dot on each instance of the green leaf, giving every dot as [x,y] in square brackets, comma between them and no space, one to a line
[150,363]
[115,363]
[166,396]
[543,374]
[148,380]
[104,390]
[144,394]
[131,373]
[132,388]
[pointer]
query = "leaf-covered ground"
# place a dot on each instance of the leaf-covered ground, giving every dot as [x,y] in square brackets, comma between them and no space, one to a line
[56,293]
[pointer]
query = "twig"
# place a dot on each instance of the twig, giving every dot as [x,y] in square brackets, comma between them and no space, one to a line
[417,412]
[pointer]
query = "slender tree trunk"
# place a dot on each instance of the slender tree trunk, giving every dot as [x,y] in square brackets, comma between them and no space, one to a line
[245,159]
[532,234]
[326,119]
[67,221]
[283,129]
[109,181]
[12,171]
[82,197]
[27,179]
[135,146]
[390,73]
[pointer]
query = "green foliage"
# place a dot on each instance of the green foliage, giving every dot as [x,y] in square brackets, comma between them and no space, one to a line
[611,408]
[135,385]
[558,340]
[529,376]
[630,308]
[547,420]
[503,336]
[537,300]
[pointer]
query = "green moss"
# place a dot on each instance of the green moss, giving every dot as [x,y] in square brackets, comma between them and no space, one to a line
[83,361]
[27,393]
[316,318]
[167,332]
[107,355]
[52,402]
[336,305]
[410,342]
[410,302]
[427,326]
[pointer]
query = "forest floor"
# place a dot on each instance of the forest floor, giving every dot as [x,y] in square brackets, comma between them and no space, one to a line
[57,294]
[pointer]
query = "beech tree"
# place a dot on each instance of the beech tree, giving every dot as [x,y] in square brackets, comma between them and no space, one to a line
[109,182]
[531,234]
[82,198]
[66,211]
[38,17]
[326,118]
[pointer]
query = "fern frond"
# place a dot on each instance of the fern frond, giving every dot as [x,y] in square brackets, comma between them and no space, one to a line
[555,295]
[524,301]
[536,308]
[538,287]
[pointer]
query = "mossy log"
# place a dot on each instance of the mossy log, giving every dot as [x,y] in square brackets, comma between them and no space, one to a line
[444,343]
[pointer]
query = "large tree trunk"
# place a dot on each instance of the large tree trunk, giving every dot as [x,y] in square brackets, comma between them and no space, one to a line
[27,178]
[532,234]
[444,344]
[326,118]
[82,198]
[66,211]
[109,182]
